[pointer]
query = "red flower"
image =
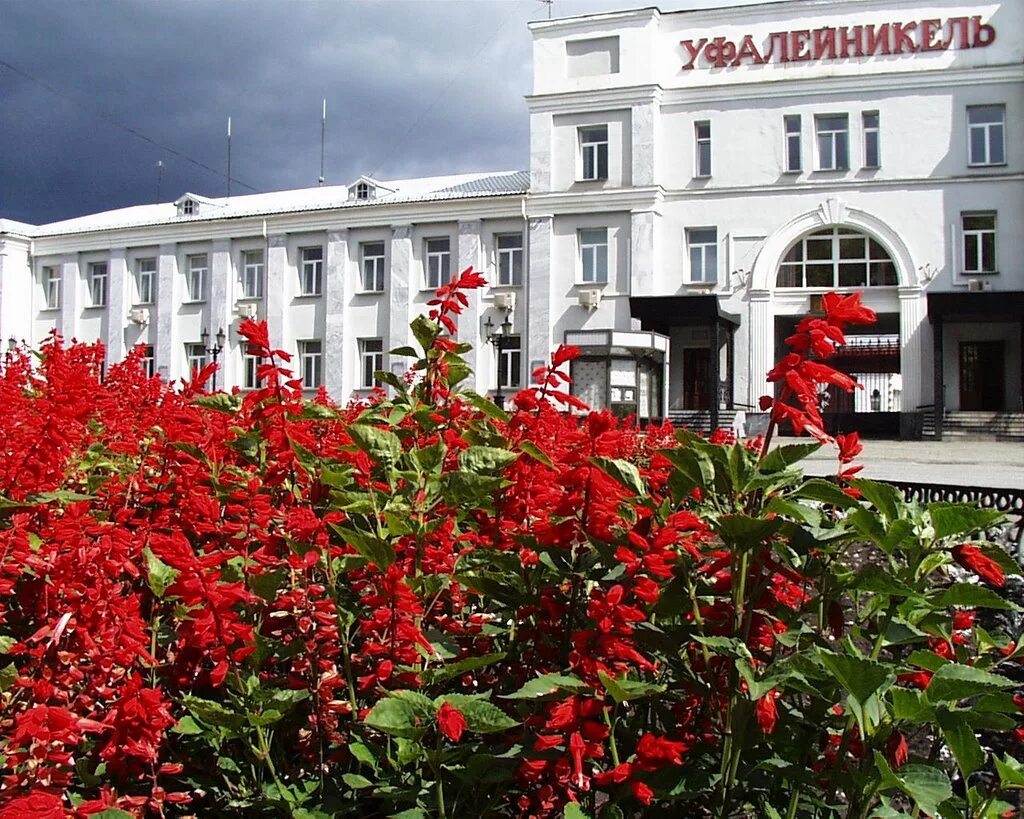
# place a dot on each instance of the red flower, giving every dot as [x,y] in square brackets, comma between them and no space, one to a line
[963,619]
[842,310]
[975,560]
[766,713]
[896,749]
[451,722]
[641,791]
[36,805]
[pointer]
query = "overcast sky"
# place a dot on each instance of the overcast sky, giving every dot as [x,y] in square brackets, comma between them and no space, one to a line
[94,94]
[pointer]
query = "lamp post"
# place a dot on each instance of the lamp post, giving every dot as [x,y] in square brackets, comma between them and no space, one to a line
[12,345]
[500,336]
[213,351]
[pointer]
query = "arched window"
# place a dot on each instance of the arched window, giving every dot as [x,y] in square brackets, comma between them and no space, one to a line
[836,257]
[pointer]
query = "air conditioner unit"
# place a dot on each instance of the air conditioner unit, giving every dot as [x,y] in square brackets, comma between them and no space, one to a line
[590,298]
[246,310]
[505,301]
[139,316]
[975,285]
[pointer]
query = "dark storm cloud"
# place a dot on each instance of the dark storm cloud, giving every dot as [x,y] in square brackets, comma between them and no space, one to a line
[417,87]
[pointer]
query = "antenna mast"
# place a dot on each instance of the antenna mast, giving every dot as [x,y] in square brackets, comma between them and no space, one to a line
[323,130]
[159,177]
[549,4]
[229,156]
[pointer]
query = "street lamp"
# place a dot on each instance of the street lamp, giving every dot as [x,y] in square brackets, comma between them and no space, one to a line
[213,351]
[501,337]
[12,345]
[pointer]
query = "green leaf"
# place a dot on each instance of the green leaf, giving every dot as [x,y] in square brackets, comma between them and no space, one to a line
[221,402]
[927,786]
[266,585]
[382,444]
[746,531]
[411,813]
[482,717]
[962,742]
[8,674]
[213,713]
[824,491]
[885,497]
[624,689]
[425,331]
[535,452]
[729,646]
[574,811]
[1011,772]
[955,682]
[975,596]
[373,548]
[486,459]
[435,675]
[623,473]
[486,406]
[396,717]
[911,705]
[356,781]
[949,519]
[6,642]
[158,574]
[406,352]
[187,726]
[861,677]
[111,813]
[784,456]
[880,581]
[547,685]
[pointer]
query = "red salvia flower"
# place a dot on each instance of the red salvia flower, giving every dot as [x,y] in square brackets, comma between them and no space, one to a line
[451,721]
[974,559]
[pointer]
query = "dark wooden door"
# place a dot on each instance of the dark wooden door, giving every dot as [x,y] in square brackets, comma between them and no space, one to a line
[695,378]
[981,375]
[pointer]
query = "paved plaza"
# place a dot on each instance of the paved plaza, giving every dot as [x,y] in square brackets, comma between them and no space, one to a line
[963,463]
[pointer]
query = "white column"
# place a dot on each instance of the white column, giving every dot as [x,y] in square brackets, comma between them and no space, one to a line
[277,267]
[70,296]
[541,126]
[117,305]
[339,350]
[538,293]
[913,308]
[168,294]
[470,255]
[403,286]
[642,253]
[17,286]
[761,345]
[644,124]
[222,287]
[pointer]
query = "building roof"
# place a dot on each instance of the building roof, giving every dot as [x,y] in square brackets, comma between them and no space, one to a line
[390,192]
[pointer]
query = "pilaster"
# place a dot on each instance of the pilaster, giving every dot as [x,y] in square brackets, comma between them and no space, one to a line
[403,286]
[642,250]
[117,305]
[644,119]
[168,293]
[761,345]
[70,296]
[277,266]
[538,292]
[913,308]
[470,255]
[339,351]
[222,288]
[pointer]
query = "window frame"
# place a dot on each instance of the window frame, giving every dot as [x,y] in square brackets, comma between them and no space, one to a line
[104,279]
[875,263]
[250,368]
[705,248]
[979,250]
[506,259]
[311,270]
[872,134]
[837,138]
[311,363]
[371,359]
[793,136]
[593,152]
[145,294]
[195,357]
[987,128]
[148,360]
[509,370]
[52,286]
[379,266]
[252,273]
[442,257]
[702,149]
[593,246]
[191,272]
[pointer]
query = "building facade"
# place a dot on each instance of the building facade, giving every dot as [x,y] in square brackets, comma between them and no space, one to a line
[697,181]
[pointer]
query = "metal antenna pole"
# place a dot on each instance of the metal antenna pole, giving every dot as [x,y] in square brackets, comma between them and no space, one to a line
[159,177]
[323,131]
[229,156]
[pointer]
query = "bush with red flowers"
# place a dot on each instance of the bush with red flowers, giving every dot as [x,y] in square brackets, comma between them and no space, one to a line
[423,605]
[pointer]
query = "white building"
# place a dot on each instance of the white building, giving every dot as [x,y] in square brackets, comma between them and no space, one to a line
[698,179]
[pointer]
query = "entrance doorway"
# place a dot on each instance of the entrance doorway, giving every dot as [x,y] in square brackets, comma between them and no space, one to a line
[695,378]
[981,375]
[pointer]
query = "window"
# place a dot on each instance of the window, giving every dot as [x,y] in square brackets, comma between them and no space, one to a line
[510,258]
[794,161]
[188,207]
[986,134]
[195,354]
[250,368]
[836,257]
[98,284]
[145,280]
[372,254]
[197,267]
[510,364]
[362,191]
[979,237]
[371,359]
[51,287]
[311,364]
[594,152]
[147,361]
[833,132]
[311,274]
[439,258]
[872,153]
[702,245]
[252,274]
[702,137]
[594,255]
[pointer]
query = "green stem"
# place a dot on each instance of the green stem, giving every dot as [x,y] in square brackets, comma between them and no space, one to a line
[794,802]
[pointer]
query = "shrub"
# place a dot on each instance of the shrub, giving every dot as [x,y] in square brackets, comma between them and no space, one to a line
[255,604]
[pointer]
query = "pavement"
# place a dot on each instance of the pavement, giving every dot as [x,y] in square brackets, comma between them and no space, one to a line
[990,464]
